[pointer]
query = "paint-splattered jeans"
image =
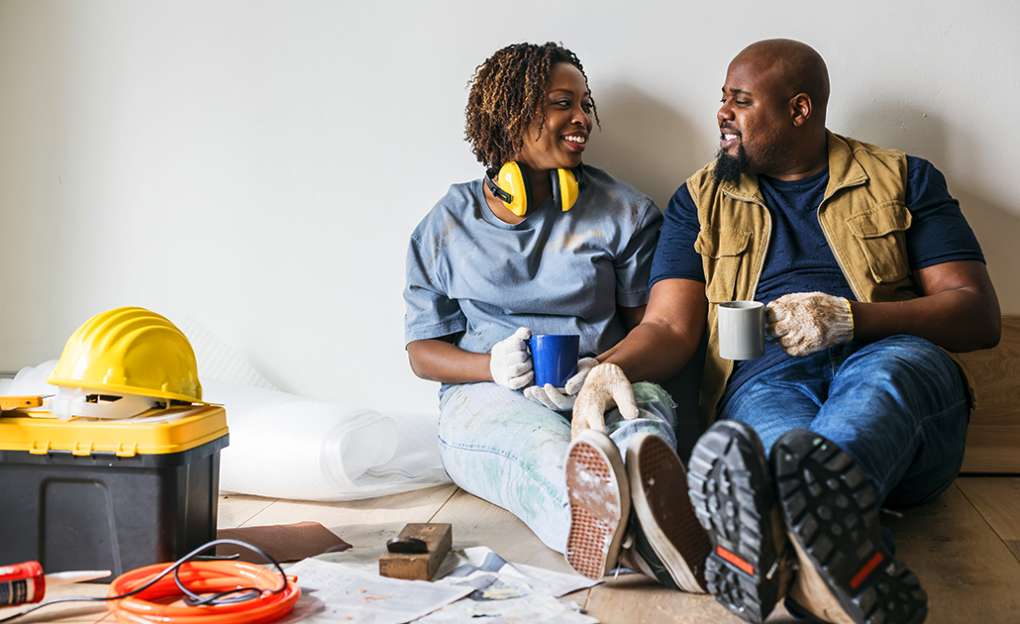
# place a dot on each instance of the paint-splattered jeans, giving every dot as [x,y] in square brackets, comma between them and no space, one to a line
[898,406]
[509,450]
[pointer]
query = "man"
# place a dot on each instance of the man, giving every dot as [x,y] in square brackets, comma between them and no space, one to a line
[870,275]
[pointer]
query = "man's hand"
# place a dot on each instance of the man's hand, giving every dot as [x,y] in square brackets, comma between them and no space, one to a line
[604,387]
[809,322]
[562,399]
[510,362]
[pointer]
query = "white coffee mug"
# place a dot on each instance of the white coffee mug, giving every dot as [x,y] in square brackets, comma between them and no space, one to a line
[741,330]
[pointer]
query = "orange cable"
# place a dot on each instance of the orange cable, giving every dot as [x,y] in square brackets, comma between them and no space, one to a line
[150,605]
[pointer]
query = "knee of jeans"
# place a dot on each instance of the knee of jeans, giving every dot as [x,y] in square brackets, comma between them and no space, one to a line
[629,430]
[909,346]
[654,402]
[485,466]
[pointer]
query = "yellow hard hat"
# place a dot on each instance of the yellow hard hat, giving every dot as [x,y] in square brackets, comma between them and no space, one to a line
[130,351]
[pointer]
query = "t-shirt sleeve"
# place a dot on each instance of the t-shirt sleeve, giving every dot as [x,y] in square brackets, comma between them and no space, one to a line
[428,312]
[634,263]
[938,232]
[675,256]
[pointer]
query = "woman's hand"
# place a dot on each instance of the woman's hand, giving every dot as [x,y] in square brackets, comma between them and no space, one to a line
[562,399]
[604,387]
[510,362]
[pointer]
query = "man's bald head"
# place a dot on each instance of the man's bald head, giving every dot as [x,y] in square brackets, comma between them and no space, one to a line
[792,66]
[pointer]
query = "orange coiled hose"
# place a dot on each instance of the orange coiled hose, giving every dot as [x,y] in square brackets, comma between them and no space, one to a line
[150,605]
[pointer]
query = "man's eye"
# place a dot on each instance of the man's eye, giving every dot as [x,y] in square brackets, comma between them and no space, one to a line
[742,102]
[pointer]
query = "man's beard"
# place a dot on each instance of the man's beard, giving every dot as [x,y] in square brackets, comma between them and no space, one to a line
[729,168]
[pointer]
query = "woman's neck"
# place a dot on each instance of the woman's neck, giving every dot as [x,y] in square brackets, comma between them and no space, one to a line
[541,190]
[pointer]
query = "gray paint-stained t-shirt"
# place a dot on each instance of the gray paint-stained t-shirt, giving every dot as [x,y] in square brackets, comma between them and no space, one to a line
[468,273]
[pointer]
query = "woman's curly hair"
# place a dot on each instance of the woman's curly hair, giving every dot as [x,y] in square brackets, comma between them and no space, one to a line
[506,93]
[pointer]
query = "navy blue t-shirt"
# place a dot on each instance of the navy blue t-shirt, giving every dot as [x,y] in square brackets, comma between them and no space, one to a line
[799,258]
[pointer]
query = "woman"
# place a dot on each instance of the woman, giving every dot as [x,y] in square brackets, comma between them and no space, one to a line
[512,254]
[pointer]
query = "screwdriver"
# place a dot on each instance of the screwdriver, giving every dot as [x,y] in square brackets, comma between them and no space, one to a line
[24,583]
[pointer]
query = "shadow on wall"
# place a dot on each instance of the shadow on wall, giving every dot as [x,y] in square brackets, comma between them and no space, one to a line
[645,141]
[904,126]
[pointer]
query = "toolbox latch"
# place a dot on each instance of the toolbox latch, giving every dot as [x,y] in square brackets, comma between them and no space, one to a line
[39,447]
[127,449]
[82,449]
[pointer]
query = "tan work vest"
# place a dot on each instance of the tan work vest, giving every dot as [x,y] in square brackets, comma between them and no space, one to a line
[862,215]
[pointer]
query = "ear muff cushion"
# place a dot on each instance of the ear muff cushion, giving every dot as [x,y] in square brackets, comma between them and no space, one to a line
[512,179]
[566,189]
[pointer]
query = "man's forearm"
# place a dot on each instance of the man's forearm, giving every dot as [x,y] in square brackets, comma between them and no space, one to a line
[960,319]
[651,352]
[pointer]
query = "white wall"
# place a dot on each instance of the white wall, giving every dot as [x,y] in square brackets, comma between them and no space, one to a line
[259,166]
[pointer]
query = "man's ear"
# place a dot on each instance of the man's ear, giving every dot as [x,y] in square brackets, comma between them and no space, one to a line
[801,109]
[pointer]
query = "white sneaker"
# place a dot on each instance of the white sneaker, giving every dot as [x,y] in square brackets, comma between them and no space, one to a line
[599,503]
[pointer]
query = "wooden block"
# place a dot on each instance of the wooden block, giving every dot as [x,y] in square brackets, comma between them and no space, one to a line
[438,538]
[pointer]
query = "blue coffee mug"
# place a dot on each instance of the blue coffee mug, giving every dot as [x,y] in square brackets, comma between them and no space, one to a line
[554,357]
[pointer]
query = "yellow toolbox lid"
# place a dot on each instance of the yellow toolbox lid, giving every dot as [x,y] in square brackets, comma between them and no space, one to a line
[156,432]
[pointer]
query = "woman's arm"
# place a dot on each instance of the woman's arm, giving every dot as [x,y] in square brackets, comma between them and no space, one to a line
[438,360]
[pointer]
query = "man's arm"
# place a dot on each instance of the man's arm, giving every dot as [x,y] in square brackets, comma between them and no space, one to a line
[668,334]
[958,311]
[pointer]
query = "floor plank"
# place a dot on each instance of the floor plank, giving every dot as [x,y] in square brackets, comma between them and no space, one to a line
[997,499]
[365,524]
[71,613]
[478,523]
[969,573]
[236,509]
[638,599]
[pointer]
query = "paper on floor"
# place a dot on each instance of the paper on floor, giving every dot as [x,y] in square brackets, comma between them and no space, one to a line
[533,609]
[495,578]
[334,592]
[507,592]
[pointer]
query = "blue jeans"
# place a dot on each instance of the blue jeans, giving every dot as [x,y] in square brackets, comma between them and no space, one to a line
[510,450]
[898,406]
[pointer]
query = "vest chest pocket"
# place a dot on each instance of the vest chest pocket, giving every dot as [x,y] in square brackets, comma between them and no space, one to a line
[721,251]
[881,236]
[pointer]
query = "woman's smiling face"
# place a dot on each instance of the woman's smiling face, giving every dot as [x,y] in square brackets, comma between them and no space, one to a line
[558,140]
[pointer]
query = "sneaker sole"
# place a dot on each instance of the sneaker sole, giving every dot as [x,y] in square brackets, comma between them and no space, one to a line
[831,512]
[670,526]
[599,504]
[731,490]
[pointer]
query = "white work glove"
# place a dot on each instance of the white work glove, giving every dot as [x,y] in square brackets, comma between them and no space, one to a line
[510,362]
[604,387]
[562,399]
[809,322]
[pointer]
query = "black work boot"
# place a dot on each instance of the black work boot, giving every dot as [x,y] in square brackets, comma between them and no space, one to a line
[731,488]
[846,571]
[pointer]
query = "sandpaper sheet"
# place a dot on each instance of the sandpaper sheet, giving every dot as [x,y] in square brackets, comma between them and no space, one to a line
[284,542]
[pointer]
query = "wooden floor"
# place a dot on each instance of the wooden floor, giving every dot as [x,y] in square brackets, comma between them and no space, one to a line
[965,548]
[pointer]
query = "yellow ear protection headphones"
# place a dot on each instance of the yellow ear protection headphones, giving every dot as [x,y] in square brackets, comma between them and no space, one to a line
[511,186]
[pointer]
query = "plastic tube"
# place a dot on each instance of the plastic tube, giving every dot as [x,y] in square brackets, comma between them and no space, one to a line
[149,606]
